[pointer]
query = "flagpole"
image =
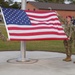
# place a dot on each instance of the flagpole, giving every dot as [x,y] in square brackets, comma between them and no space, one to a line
[23,43]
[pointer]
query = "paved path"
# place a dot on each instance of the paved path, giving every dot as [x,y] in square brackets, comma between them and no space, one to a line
[49,63]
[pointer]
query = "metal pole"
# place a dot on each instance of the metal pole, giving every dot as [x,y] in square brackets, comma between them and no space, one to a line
[23,51]
[23,43]
[23,4]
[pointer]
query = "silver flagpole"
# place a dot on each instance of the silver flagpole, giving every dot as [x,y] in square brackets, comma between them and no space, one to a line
[23,4]
[23,43]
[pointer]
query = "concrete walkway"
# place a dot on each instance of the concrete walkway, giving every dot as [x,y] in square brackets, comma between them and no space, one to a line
[49,63]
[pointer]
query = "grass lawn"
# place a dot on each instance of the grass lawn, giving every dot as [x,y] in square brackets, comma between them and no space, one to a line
[53,46]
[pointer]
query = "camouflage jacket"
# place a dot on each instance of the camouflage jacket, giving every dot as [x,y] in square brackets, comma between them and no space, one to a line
[67,28]
[74,32]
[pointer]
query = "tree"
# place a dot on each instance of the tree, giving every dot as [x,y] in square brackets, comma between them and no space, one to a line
[9,4]
[15,5]
[54,1]
[10,1]
[1,1]
[74,1]
[4,3]
[12,4]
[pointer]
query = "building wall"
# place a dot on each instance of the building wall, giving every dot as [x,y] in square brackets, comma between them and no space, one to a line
[61,12]
[30,7]
[66,13]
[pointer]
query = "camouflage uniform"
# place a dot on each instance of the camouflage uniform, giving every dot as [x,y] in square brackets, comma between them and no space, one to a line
[2,36]
[74,35]
[74,38]
[68,43]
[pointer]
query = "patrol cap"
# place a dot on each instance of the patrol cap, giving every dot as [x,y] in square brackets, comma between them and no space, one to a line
[69,17]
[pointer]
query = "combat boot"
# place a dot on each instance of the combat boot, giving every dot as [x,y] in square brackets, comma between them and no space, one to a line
[67,59]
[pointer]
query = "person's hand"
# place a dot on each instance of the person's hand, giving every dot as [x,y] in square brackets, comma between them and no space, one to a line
[69,38]
[56,13]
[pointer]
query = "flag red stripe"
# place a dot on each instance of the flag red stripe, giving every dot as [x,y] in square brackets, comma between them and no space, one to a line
[46,23]
[38,39]
[34,28]
[36,33]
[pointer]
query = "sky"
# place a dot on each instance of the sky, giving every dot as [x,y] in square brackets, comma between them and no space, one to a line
[20,0]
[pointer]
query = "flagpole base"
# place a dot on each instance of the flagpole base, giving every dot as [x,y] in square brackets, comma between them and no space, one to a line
[18,61]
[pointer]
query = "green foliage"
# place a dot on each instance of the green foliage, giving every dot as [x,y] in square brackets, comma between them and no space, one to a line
[10,1]
[55,1]
[46,46]
[15,5]
[6,4]
[74,1]
[1,1]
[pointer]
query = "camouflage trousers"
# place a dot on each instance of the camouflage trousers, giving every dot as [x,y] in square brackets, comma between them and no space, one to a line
[68,47]
[74,39]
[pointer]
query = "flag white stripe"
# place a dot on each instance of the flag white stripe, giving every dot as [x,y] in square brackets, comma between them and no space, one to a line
[37,30]
[34,21]
[43,14]
[35,26]
[43,19]
[38,36]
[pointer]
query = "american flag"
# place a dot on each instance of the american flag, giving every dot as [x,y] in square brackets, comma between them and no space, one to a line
[32,25]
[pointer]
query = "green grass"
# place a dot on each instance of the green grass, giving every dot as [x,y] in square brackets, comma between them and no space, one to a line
[8,45]
[45,45]
[53,46]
